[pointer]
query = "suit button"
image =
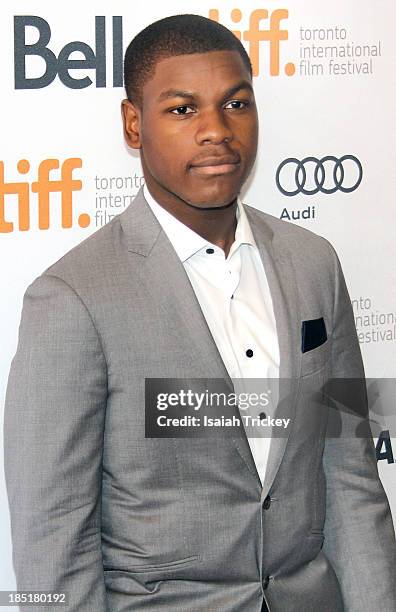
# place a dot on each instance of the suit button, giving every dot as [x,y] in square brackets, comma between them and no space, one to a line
[267,503]
[266,582]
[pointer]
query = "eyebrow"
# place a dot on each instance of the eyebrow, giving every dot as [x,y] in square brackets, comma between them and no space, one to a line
[178,93]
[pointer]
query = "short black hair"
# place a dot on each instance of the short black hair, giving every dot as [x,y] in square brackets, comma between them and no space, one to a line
[175,35]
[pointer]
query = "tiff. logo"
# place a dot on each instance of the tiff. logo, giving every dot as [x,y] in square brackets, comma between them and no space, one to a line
[256,35]
[44,186]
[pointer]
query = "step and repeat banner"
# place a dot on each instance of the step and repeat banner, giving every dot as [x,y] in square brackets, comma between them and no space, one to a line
[325,90]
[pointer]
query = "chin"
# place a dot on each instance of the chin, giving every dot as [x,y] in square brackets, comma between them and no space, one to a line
[210,203]
[213,200]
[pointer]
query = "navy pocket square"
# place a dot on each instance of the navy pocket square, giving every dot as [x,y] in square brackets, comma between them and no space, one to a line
[313,334]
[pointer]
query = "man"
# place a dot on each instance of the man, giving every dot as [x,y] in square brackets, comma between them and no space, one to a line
[189,283]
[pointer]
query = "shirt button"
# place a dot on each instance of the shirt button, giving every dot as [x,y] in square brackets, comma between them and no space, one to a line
[266,582]
[210,251]
[262,416]
[267,503]
[249,353]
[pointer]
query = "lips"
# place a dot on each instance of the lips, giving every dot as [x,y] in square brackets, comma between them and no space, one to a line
[215,165]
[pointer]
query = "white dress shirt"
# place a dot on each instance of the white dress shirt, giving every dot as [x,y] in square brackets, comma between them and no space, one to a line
[236,302]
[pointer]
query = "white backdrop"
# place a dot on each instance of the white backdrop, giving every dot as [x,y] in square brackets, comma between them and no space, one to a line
[324,86]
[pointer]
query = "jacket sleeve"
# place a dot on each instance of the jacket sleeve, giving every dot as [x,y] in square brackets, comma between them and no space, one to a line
[359,534]
[53,441]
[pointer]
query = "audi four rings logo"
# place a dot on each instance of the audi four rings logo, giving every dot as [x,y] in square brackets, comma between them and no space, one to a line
[312,175]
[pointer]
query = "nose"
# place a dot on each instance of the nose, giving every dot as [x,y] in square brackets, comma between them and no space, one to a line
[213,128]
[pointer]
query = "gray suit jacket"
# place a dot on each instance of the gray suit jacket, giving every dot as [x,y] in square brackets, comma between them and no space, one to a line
[121,522]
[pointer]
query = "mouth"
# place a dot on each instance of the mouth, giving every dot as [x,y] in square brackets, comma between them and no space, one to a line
[212,166]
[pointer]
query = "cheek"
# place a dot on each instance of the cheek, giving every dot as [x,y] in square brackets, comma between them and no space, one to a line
[165,154]
[249,133]
[164,161]
[250,144]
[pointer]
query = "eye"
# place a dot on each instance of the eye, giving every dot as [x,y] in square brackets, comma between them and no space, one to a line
[237,104]
[182,110]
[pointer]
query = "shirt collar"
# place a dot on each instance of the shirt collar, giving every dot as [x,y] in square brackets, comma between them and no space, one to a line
[185,241]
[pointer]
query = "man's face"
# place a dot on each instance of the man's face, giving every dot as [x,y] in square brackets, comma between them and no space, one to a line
[197,129]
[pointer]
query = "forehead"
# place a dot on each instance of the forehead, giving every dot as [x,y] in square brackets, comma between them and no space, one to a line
[197,72]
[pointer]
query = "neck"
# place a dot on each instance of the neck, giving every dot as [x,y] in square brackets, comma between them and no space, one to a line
[217,225]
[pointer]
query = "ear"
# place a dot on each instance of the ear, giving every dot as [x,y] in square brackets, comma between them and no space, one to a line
[131,120]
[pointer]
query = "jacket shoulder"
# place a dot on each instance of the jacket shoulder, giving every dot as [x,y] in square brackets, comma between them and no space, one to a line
[91,256]
[89,266]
